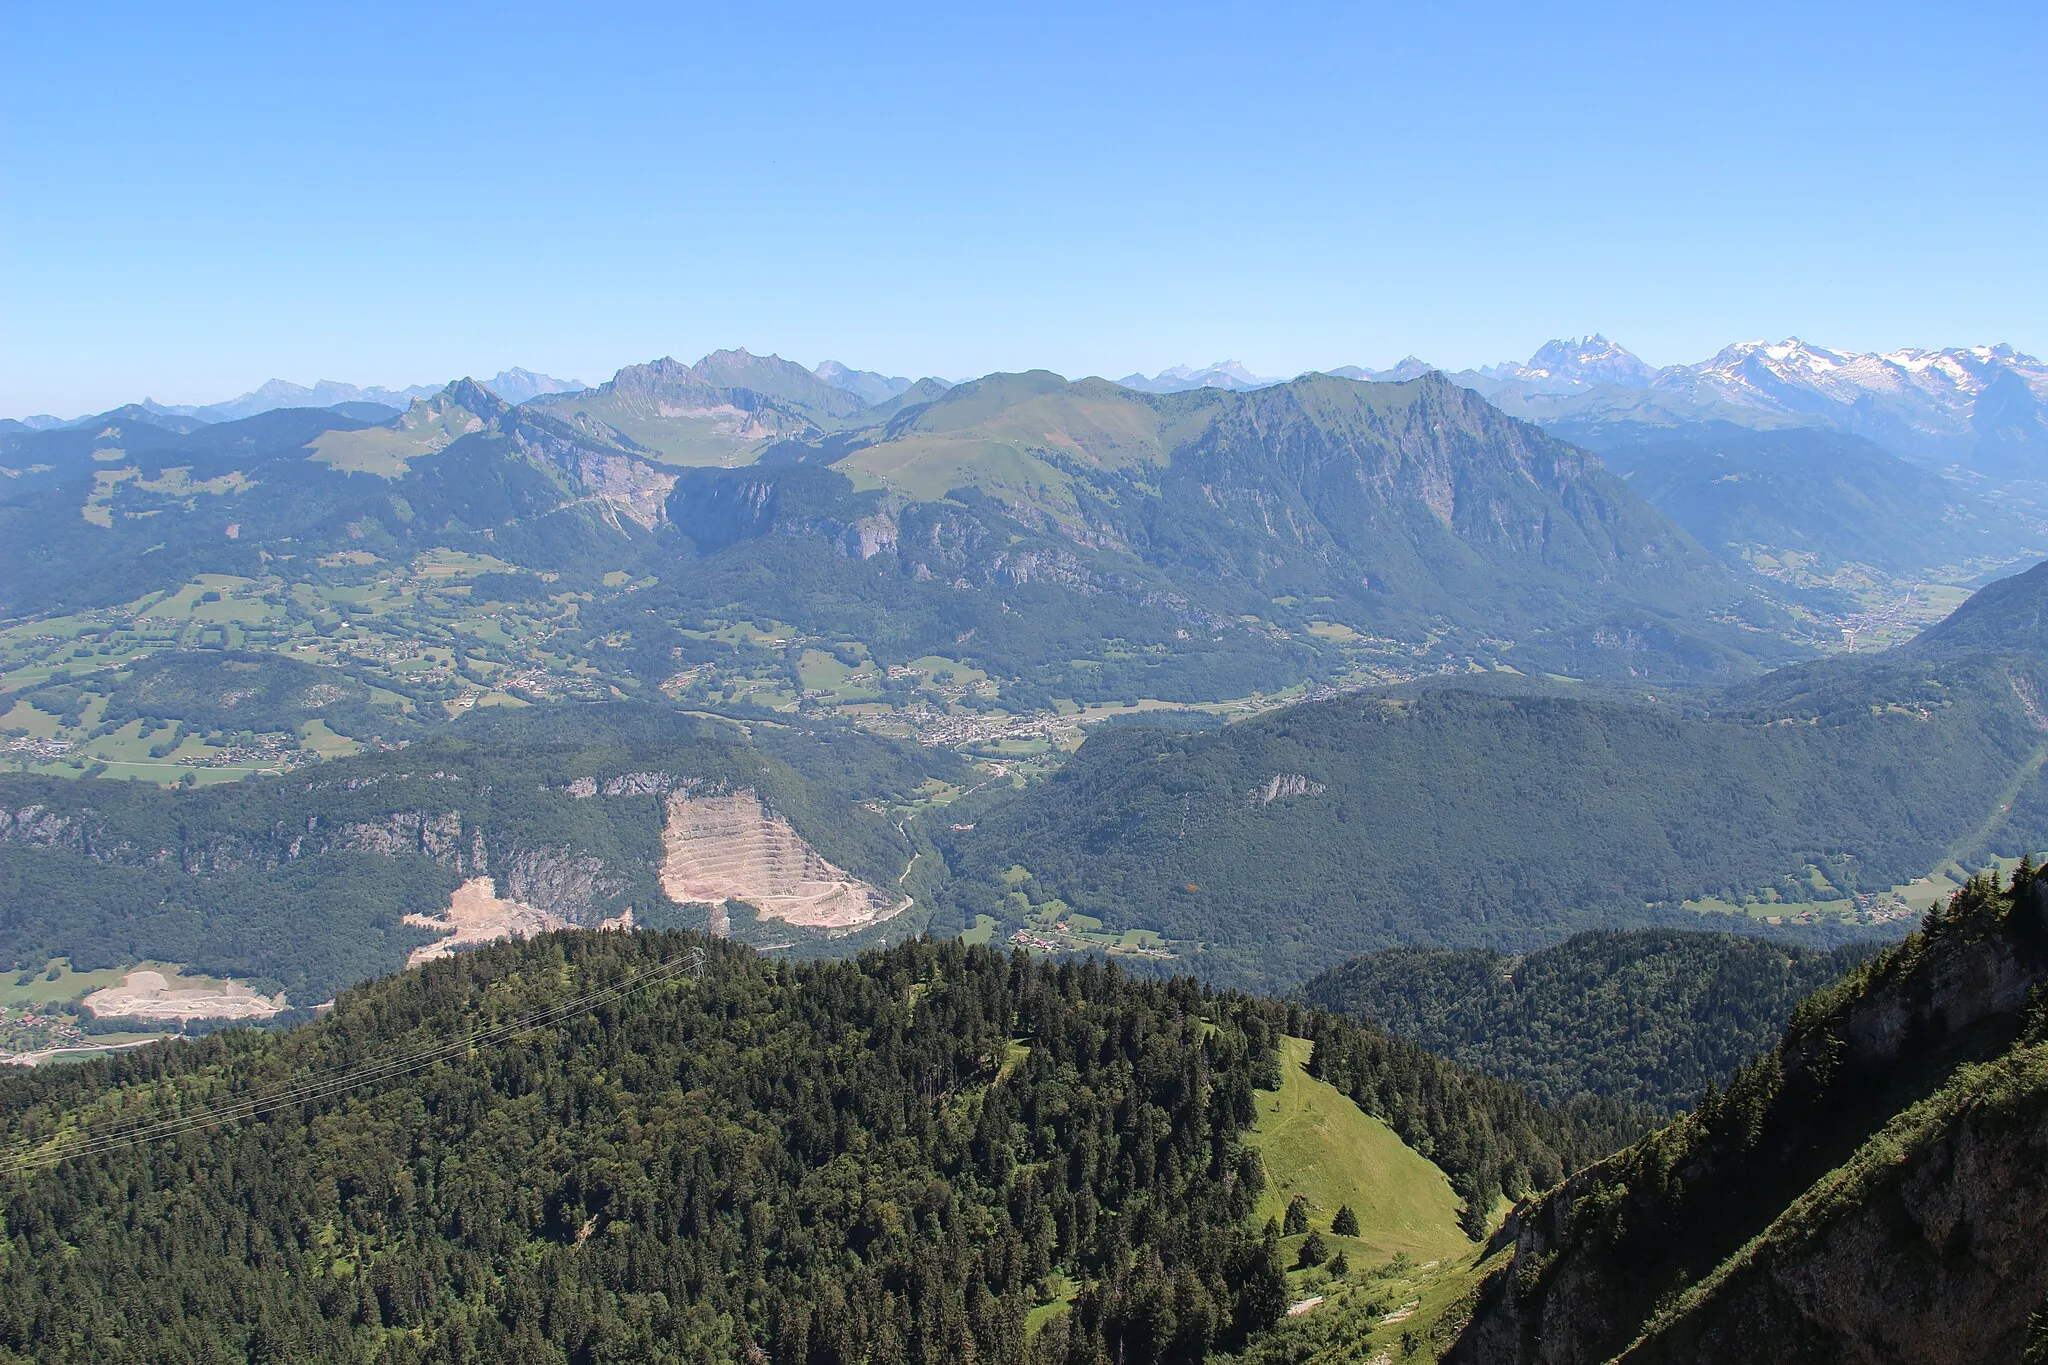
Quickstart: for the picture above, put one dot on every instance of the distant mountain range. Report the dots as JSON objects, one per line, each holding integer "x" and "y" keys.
{"x": 1984, "y": 407}
{"x": 1190, "y": 527}
{"x": 1224, "y": 374}
{"x": 866, "y": 385}
{"x": 515, "y": 385}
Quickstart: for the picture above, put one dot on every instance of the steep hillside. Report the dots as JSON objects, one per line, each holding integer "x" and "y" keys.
{"x": 1276, "y": 847}
{"x": 305, "y": 882}
{"x": 149, "y": 511}
{"x": 1832, "y": 498}
{"x": 1871, "y": 1190}
{"x": 1412, "y": 515}
{"x": 654, "y": 1147}
{"x": 2010, "y": 614}
{"x": 1649, "y": 1017}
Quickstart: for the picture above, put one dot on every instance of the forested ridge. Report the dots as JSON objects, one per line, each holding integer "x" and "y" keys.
{"x": 300, "y": 882}
{"x": 1276, "y": 847}
{"x": 1871, "y": 1188}
{"x": 888, "y": 1158}
{"x": 1649, "y": 1017}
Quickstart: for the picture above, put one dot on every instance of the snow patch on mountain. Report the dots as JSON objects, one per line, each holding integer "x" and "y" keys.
{"x": 1573, "y": 366}
{"x": 1224, "y": 374}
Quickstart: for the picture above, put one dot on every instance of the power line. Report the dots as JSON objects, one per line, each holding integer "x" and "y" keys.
{"x": 393, "y": 1068}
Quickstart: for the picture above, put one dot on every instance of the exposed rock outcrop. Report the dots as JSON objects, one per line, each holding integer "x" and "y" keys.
{"x": 1925, "y": 1248}
{"x": 733, "y": 847}
{"x": 1874, "y": 1190}
{"x": 476, "y": 915}
{"x": 1285, "y": 784}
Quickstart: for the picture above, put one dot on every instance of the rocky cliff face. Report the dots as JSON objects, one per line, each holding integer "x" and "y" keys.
{"x": 1926, "y": 1248}
{"x": 1872, "y": 1190}
{"x": 568, "y": 883}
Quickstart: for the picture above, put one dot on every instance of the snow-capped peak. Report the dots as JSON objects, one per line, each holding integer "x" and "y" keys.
{"x": 1568, "y": 366}
{"x": 1224, "y": 374}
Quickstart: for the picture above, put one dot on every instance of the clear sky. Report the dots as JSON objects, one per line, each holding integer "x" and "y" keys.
{"x": 197, "y": 198}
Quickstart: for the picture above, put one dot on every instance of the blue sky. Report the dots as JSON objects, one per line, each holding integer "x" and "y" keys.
{"x": 199, "y": 198}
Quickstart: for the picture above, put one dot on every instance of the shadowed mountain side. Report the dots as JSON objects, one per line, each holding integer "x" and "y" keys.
{"x": 1811, "y": 492}
{"x": 1648, "y": 1016}
{"x": 1870, "y": 1191}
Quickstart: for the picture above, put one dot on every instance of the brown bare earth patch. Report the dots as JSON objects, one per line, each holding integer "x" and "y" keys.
{"x": 475, "y": 916}
{"x": 732, "y": 847}
{"x": 150, "y": 995}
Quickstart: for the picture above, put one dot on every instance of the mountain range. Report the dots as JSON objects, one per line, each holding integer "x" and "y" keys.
{"x": 817, "y": 661}
{"x": 1412, "y": 514}
{"x": 1978, "y": 406}
{"x": 1981, "y": 406}
{"x": 515, "y": 385}
{"x": 1224, "y": 374}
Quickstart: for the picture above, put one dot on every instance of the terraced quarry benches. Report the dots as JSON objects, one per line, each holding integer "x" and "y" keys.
{"x": 732, "y": 847}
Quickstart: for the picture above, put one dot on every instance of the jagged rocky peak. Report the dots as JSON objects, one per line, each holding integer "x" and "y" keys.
{"x": 1572, "y": 365}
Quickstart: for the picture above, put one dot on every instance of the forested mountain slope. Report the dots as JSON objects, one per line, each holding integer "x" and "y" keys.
{"x": 1874, "y": 1189}
{"x": 2010, "y": 614}
{"x": 1650, "y": 1017}
{"x": 1276, "y": 847}
{"x": 893, "y": 1158}
{"x": 1397, "y": 510}
{"x": 302, "y": 882}
{"x": 1803, "y": 492}
{"x": 1641, "y": 1016}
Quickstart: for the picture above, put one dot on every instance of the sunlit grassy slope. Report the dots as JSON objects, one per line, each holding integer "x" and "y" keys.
{"x": 1315, "y": 1142}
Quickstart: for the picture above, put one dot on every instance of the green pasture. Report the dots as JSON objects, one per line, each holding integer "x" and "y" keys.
{"x": 1316, "y": 1142}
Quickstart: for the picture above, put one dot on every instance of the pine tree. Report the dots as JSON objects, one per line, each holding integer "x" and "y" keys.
{"x": 1345, "y": 1224}
{"x": 1297, "y": 1217}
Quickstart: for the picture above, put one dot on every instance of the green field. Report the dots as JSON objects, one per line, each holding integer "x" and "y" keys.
{"x": 1316, "y": 1142}
{"x": 1410, "y": 1262}
{"x": 37, "y": 987}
